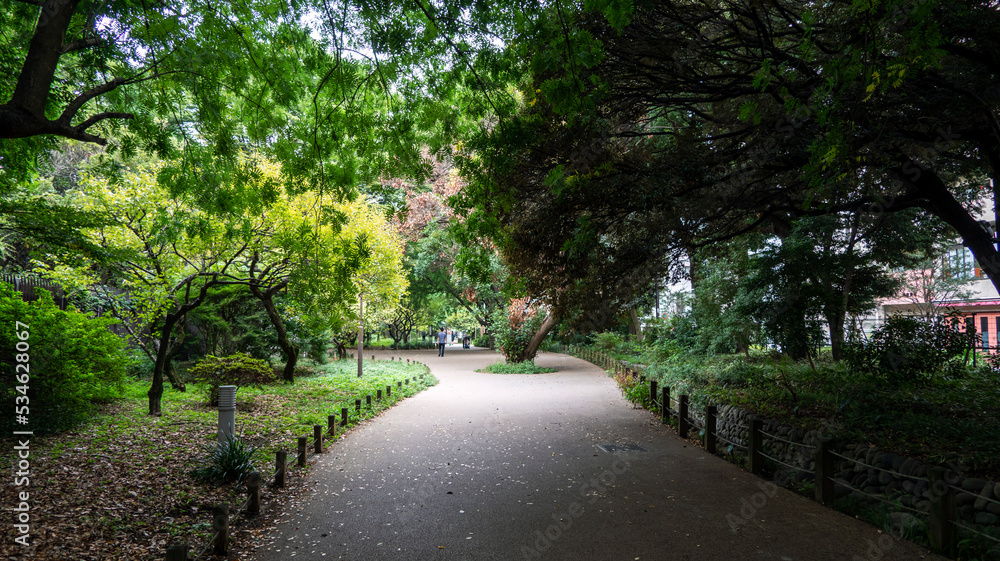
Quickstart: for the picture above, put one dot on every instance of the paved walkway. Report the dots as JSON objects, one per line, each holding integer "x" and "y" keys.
{"x": 502, "y": 467}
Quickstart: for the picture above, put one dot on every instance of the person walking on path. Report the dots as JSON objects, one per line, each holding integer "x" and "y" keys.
{"x": 442, "y": 341}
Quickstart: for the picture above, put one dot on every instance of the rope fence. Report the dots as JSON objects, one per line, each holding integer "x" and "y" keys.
{"x": 796, "y": 468}
{"x": 221, "y": 515}
{"x": 976, "y": 532}
{"x": 942, "y": 517}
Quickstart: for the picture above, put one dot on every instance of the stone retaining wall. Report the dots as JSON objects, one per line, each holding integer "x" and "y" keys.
{"x": 904, "y": 481}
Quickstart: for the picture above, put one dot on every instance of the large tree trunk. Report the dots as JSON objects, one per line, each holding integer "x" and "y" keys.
{"x": 288, "y": 348}
{"x": 941, "y": 202}
{"x": 163, "y": 355}
{"x": 635, "y": 325}
{"x": 531, "y": 350}
{"x": 836, "y": 319}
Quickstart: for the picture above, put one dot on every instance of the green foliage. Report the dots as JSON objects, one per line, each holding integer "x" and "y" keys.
{"x": 526, "y": 367}
{"x": 73, "y": 362}
{"x": 512, "y": 329}
{"x": 234, "y": 370}
{"x": 633, "y": 390}
{"x": 910, "y": 349}
{"x": 608, "y": 341}
{"x": 232, "y": 460}
{"x": 231, "y": 320}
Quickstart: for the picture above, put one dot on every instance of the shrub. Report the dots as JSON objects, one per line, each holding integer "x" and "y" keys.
{"x": 633, "y": 390}
{"x": 608, "y": 341}
{"x": 73, "y": 361}
{"x": 232, "y": 460}
{"x": 234, "y": 370}
{"x": 513, "y": 327}
{"x": 907, "y": 349}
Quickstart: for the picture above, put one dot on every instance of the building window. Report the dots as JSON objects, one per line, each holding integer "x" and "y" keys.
{"x": 985, "y": 323}
{"x": 960, "y": 263}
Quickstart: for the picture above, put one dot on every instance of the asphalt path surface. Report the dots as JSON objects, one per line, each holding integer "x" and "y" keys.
{"x": 506, "y": 467}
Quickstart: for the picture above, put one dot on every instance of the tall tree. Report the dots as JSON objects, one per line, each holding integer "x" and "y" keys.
{"x": 666, "y": 125}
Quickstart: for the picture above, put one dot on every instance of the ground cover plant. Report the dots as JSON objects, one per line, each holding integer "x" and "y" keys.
{"x": 120, "y": 486}
{"x": 526, "y": 367}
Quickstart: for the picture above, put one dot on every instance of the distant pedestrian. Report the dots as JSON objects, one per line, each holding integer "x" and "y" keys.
{"x": 465, "y": 342}
{"x": 442, "y": 341}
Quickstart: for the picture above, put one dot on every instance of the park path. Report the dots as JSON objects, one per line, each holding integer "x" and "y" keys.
{"x": 506, "y": 467}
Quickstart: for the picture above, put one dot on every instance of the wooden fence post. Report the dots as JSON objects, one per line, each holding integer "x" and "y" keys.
{"x": 177, "y": 551}
{"x": 357, "y": 405}
{"x": 331, "y": 421}
{"x": 652, "y": 394}
{"x": 343, "y": 416}
{"x": 710, "y": 424}
{"x": 378, "y": 395}
{"x": 302, "y": 451}
{"x": 388, "y": 391}
{"x": 754, "y": 444}
{"x": 941, "y": 527}
{"x": 825, "y": 470}
{"x": 682, "y": 413}
{"x": 280, "y": 462}
{"x": 253, "y": 492}
{"x": 220, "y": 523}
{"x": 665, "y": 401}
{"x": 318, "y": 438}
{"x": 368, "y": 401}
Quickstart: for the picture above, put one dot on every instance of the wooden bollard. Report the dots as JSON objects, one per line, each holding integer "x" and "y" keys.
{"x": 825, "y": 466}
{"x": 280, "y": 462}
{"x": 378, "y": 395}
{"x": 368, "y": 400}
{"x": 754, "y": 444}
{"x": 388, "y": 391}
{"x": 399, "y": 385}
{"x": 220, "y": 524}
{"x": 253, "y": 493}
{"x": 343, "y": 417}
{"x": 357, "y": 405}
{"x": 710, "y": 418}
{"x": 941, "y": 527}
{"x": 318, "y": 438}
{"x": 302, "y": 451}
{"x": 665, "y": 401}
{"x": 682, "y": 414}
{"x": 177, "y": 551}
{"x": 652, "y": 394}
{"x": 331, "y": 421}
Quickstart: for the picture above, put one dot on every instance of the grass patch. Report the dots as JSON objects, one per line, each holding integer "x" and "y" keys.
{"x": 119, "y": 486}
{"x": 527, "y": 367}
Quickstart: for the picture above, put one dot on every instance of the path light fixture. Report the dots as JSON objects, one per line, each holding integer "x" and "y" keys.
{"x": 227, "y": 413}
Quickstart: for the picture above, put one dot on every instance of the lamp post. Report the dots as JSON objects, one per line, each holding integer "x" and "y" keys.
{"x": 361, "y": 332}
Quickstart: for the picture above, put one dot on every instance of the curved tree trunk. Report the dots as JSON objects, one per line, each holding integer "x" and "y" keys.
{"x": 163, "y": 355}
{"x": 536, "y": 340}
{"x": 288, "y": 348}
